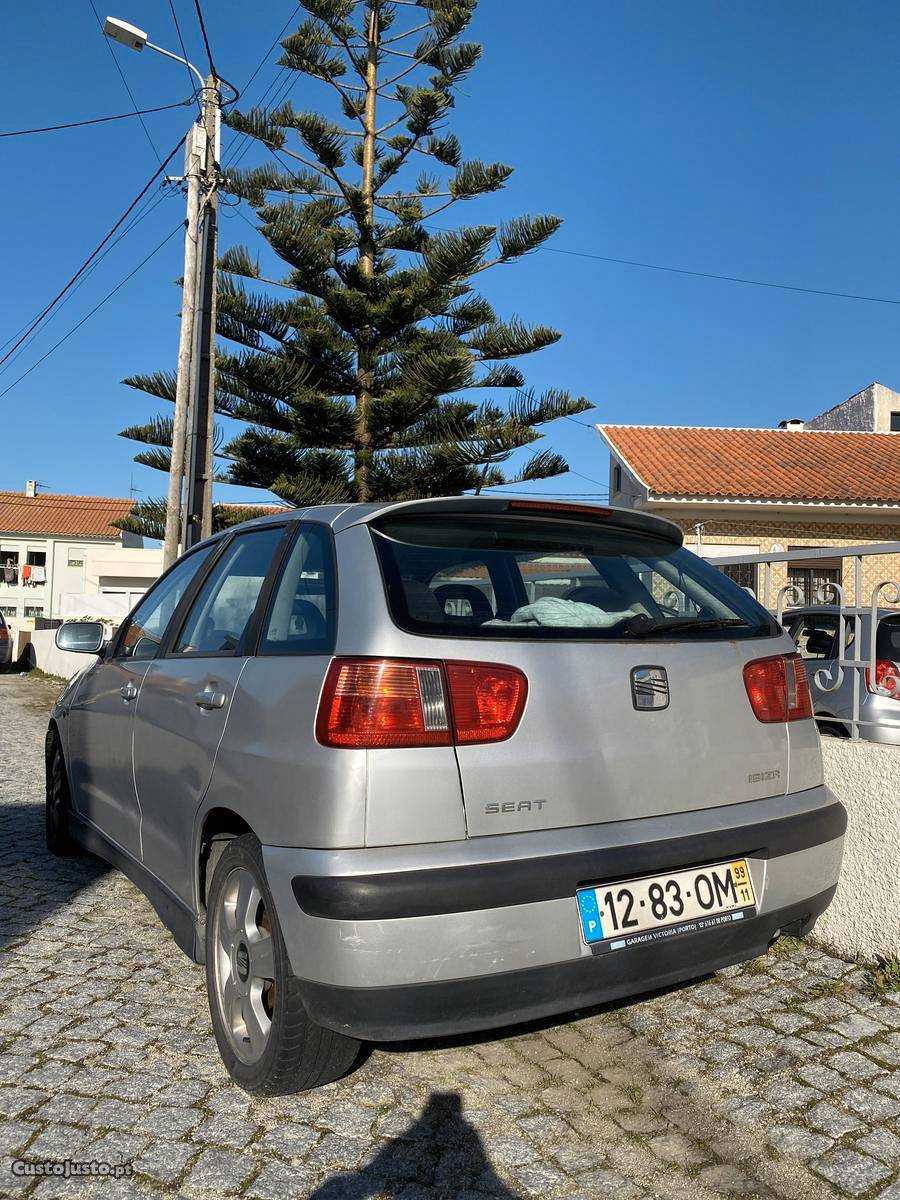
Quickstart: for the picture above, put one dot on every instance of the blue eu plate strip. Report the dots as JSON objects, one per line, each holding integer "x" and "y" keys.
{"x": 591, "y": 925}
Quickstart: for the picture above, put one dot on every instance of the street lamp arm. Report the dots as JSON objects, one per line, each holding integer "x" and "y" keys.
{"x": 177, "y": 58}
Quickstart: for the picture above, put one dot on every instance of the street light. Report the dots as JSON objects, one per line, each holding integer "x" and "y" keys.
{"x": 136, "y": 39}
{"x": 195, "y": 384}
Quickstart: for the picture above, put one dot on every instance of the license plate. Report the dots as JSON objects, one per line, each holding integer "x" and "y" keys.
{"x": 637, "y": 911}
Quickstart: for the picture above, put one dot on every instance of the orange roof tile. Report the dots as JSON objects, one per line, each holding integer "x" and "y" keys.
{"x": 62, "y": 516}
{"x": 767, "y": 464}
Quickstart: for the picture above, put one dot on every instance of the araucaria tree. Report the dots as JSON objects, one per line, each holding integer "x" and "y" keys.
{"x": 358, "y": 371}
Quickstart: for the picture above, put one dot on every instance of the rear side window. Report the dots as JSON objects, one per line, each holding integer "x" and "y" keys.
{"x": 524, "y": 577}
{"x": 302, "y": 613}
{"x": 220, "y": 614}
{"x": 887, "y": 639}
{"x": 815, "y": 635}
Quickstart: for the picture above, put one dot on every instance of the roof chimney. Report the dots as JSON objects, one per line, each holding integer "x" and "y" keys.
{"x": 791, "y": 423}
{"x": 31, "y": 488}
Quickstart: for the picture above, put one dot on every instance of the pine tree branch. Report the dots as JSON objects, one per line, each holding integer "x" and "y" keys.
{"x": 409, "y": 32}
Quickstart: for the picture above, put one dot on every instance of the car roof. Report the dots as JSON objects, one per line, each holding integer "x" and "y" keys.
{"x": 342, "y": 516}
{"x": 833, "y": 609}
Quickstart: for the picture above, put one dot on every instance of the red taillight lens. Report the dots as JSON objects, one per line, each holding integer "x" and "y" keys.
{"x": 887, "y": 679}
{"x": 778, "y": 688}
{"x": 487, "y": 700}
{"x": 390, "y": 703}
{"x": 4, "y": 635}
{"x": 381, "y": 703}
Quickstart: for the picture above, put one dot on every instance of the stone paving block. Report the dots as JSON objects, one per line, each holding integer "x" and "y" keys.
{"x": 854, "y": 1065}
{"x": 219, "y": 1172}
{"x": 881, "y": 1143}
{"x": 785, "y": 1096}
{"x": 832, "y": 1120}
{"x": 798, "y": 1142}
{"x": 278, "y": 1180}
{"x": 852, "y": 1172}
{"x": 872, "y": 1105}
{"x": 165, "y": 1161}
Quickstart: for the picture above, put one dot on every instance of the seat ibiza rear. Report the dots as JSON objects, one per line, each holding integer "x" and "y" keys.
{"x": 405, "y": 770}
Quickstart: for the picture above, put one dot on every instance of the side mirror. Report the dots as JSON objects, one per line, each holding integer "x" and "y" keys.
{"x": 81, "y": 637}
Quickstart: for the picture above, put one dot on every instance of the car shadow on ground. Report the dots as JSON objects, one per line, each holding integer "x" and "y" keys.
{"x": 440, "y": 1135}
{"x": 35, "y": 884}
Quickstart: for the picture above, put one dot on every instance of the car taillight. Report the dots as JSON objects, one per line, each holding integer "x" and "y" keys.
{"x": 379, "y": 703}
{"x": 887, "y": 679}
{"x": 487, "y": 700}
{"x": 778, "y": 688}
{"x": 4, "y": 636}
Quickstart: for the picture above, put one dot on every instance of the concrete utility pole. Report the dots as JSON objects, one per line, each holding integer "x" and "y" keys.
{"x": 192, "y": 455}
{"x": 198, "y": 513}
{"x": 193, "y": 159}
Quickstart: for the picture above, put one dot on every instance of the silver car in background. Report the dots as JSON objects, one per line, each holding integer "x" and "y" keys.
{"x": 422, "y": 768}
{"x": 815, "y": 632}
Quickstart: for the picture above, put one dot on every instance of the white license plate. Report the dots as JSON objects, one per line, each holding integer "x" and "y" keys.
{"x": 636, "y": 911}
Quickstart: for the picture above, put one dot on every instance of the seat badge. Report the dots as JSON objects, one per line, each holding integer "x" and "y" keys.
{"x": 649, "y": 688}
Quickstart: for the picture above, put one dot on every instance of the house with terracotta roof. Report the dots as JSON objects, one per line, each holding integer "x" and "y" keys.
{"x": 830, "y": 481}
{"x": 57, "y": 545}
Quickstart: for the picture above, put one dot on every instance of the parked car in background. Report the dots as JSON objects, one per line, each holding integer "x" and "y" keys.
{"x": 415, "y": 769}
{"x": 5, "y": 643}
{"x": 815, "y": 631}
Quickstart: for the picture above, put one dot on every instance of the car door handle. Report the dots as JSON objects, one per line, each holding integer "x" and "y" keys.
{"x": 128, "y": 691}
{"x": 210, "y": 699}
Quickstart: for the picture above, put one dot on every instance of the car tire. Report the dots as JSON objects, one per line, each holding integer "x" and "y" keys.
{"x": 57, "y": 800}
{"x": 267, "y": 1041}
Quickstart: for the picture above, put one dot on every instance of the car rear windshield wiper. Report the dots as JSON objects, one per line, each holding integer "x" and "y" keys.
{"x": 643, "y": 626}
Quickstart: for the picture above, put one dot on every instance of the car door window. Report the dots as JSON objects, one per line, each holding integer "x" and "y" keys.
{"x": 147, "y": 625}
{"x": 815, "y": 636}
{"x": 302, "y": 615}
{"x": 219, "y": 617}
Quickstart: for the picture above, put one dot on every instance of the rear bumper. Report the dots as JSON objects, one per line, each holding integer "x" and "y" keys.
{"x": 397, "y": 942}
{"x": 390, "y": 1014}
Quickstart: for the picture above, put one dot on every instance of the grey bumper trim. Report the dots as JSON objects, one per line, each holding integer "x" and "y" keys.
{"x": 432, "y": 891}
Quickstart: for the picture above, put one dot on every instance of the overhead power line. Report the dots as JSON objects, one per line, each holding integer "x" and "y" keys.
{"x": 59, "y": 295}
{"x": 209, "y": 53}
{"x": 184, "y": 52}
{"x": 121, "y": 74}
{"x": 109, "y": 295}
{"x": 764, "y": 283}
{"x": 143, "y": 112}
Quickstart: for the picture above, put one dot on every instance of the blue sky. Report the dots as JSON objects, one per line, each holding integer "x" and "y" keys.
{"x": 752, "y": 140}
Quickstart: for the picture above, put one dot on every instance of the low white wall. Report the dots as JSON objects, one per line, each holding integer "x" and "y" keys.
{"x": 56, "y": 662}
{"x": 864, "y": 917}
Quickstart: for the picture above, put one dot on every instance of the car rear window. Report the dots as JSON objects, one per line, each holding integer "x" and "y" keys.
{"x": 527, "y": 577}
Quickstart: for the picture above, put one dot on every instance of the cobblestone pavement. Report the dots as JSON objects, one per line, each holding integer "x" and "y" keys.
{"x": 780, "y": 1079}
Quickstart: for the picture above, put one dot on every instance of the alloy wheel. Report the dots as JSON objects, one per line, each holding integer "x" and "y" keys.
{"x": 244, "y": 964}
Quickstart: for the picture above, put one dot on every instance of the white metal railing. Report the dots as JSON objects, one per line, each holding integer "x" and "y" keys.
{"x": 791, "y": 595}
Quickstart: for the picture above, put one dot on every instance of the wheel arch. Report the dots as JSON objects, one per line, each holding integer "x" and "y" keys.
{"x": 218, "y": 827}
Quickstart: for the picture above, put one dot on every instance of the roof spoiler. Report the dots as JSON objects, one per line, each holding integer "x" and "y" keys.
{"x": 621, "y": 518}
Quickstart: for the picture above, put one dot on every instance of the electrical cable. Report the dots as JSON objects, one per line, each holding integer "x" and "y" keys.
{"x": 96, "y": 120}
{"x": 49, "y": 307}
{"x": 132, "y": 224}
{"x": 209, "y": 53}
{"x": 88, "y": 315}
{"x": 125, "y": 81}
{"x": 783, "y": 287}
{"x": 184, "y": 53}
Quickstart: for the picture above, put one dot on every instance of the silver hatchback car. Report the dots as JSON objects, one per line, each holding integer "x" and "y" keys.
{"x": 422, "y": 768}
{"x": 815, "y": 632}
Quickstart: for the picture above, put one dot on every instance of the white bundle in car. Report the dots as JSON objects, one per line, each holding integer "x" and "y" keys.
{"x": 553, "y": 610}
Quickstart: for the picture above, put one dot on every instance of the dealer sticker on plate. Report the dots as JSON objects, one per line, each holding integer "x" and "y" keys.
{"x": 637, "y": 911}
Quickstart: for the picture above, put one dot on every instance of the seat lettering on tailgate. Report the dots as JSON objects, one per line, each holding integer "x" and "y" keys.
{"x": 512, "y": 806}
